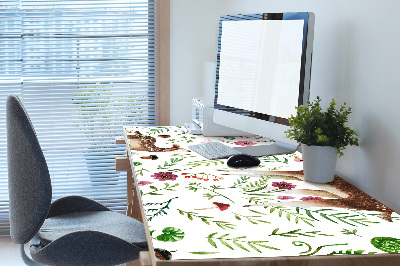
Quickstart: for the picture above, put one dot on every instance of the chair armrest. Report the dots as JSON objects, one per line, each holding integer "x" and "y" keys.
{"x": 72, "y": 204}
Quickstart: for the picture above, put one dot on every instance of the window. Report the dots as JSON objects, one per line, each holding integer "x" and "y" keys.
{"x": 82, "y": 69}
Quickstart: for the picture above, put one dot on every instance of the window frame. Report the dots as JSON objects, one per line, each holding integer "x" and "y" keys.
{"x": 163, "y": 36}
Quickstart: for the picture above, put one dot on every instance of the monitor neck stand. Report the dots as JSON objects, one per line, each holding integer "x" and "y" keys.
{"x": 276, "y": 148}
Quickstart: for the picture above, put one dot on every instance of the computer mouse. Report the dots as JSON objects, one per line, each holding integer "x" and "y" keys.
{"x": 240, "y": 160}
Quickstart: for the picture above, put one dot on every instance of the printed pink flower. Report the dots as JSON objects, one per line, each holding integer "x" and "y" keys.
{"x": 285, "y": 197}
{"x": 283, "y": 185}
{"x": 298, "y": 160}
{"x": 143, "y": 183}
{"x": 206, "y": 141}
{"x": 311, "y": 198}
{"x": 164, "y": 176}
{"x": 245, "y": 143}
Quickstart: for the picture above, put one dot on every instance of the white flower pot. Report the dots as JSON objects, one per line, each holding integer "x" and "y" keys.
{"x": 319, "y": 163}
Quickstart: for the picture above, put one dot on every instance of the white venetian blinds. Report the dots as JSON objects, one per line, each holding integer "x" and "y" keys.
{"x": 82, "y": 69}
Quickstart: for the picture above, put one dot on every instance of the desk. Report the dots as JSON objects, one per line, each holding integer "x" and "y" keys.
{"x": 202, "y": 212}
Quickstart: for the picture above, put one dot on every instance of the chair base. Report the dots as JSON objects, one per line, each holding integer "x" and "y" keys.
{"x": 26, "y": 259}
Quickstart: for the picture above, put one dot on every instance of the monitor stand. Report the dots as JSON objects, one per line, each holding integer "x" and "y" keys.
{"x": 276, "y": 148}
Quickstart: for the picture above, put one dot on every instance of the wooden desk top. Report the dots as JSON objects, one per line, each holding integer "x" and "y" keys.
{"x": 201, "y": 209}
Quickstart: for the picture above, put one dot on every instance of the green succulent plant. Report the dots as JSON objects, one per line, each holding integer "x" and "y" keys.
{"x": 312, "y": 126}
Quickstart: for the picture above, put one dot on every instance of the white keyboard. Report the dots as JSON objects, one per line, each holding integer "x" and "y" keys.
{"x": 214, "y": 150}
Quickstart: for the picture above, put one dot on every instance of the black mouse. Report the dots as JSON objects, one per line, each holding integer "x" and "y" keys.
{"x": 240, "y": 160}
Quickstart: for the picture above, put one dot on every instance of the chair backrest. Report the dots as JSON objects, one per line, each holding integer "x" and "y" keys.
{"x": 29, "y": 183}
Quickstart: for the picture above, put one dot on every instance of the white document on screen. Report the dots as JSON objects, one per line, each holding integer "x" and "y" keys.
{"x": 260, "y": 63}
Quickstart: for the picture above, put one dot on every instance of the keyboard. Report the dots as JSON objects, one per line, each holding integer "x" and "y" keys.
{"x": 214, "y": 150}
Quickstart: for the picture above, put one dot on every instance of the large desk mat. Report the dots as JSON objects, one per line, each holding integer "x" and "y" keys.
{"x": 200, "y": 209}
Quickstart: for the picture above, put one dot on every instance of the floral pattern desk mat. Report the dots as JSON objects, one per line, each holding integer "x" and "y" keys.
{"x": 198, "y": 208}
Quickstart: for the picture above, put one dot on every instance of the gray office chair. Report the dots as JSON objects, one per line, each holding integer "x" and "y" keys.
{"x": 70, "y": 231}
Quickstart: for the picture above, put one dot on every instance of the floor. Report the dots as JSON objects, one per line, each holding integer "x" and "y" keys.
{"x": 9, "y": 253}
{"x": 10, "y": 256}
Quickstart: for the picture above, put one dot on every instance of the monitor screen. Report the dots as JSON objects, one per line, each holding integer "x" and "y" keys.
{"x": 263, "y": 71}
{"x": 260, "y": 63}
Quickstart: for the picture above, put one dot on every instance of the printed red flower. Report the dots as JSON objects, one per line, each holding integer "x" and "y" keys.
{"x": 143, "y": 183}
{"x": 285, "y": 197}
{"x": 221, "y": 206}
{"x": 164, "y": 176}
{"x": 283, "y": 185}
{"x": 311, "y": 198}
{"x": 245, "y": 143}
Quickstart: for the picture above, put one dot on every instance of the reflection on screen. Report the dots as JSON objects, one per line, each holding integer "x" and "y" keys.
{"x": 260, "y": 63}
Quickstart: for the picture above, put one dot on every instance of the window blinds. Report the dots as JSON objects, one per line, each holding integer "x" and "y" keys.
{"x": 82, "y": 69}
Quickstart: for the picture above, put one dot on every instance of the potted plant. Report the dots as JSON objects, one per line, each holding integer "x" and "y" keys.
{"x": 323, "y": 135}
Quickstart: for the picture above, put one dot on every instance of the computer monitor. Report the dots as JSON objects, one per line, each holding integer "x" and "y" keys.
{"x": 263, "y": 73}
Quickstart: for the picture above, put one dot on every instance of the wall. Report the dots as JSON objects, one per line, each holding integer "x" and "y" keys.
{"x": 355, "y": 60}
{"x": 194, "y": 41}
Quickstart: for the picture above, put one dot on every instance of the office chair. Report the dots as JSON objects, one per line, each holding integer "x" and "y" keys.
{"x": 70, "y": 231}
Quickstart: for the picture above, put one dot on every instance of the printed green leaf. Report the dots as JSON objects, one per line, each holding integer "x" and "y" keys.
{"x": 225, "y": 244}
{"x": 203, "y": 252}
{"x": 235, "y": 241}
{"x": 197, "y": 186}
{"x": 205, "y": 221}
{"x": 254, "y": 219}
{"x": 326, "y": 217}
{"x": 209, "y": 238}
{"x": 275, "y": 230}
{"x": 290, "y": 214}
{"x": 238, "y": 242}
{"x": 158, "y": 209}
{"x": 387, "y": 244}
{"x": 153, "y": 194}
{"x": 259, "y": 243}
{"x": 304, "y": 253}
{"x": 257, "y": 189}
{"x": 221, "y": 224}
{"x": 348, "y": 232}
{"x": 352, "y": 217}
{"x": 309, "y": 214}
{"x": 224, "y": 225}
{"x": 359, "y": 251}
{"x": 257, "y": 212}
{"x": 297, "y": 232}
{"x": 254, "y": 247}
{"x": 350, "y": 252}
{"x": 171, "y": 234}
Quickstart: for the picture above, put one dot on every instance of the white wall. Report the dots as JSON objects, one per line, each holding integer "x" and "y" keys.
{"x": 355, "y": 60}
{"x": 194, "y": 41}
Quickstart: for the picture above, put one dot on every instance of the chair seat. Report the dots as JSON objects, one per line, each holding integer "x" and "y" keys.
{"x": 107, "y": 222}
